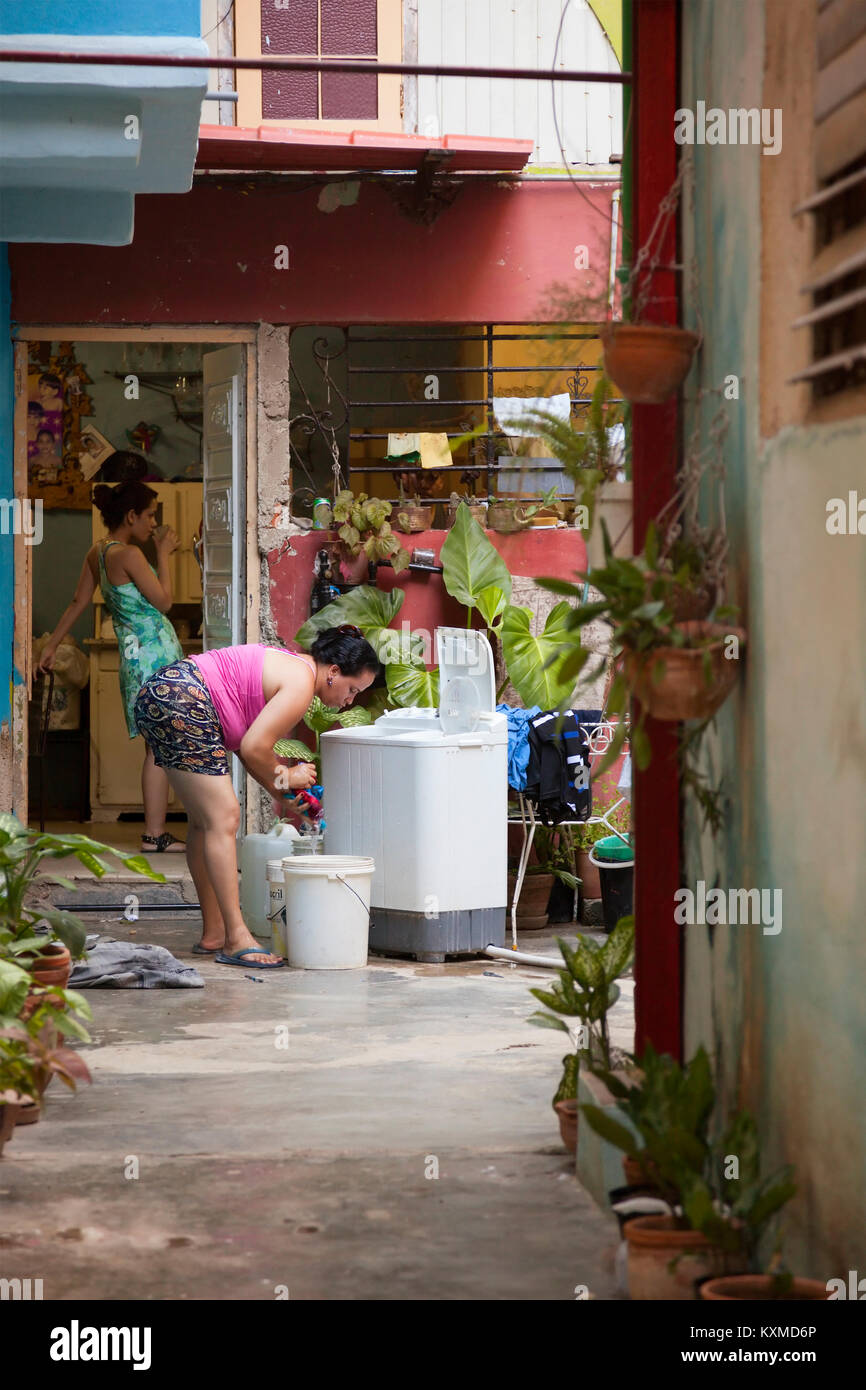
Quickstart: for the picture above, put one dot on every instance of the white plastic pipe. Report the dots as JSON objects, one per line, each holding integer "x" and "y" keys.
{"x": 505, "y": 953}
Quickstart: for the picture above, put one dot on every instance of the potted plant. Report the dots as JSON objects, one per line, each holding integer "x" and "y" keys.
{"x": 479, "y": 511}
{"x": 586, "y": 990}
{"x": 554, "y": 850}
{"x": 678, "y": 670}
{"x": 365, "y": 532}
{"x": 26, "y": 1065}
{"x": 414, "y": 515}
{"x": 41, "y": 1015}
{"x": 23, "y": 851}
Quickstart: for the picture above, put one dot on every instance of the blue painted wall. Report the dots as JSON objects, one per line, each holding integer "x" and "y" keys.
{"x": 141, "y": 17}
{"x": 7, "y": 577}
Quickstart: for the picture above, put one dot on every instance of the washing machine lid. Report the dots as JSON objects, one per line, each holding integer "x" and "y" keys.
{"x": 465, "y": 655}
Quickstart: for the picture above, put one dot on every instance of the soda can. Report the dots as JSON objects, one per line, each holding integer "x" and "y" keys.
{"x": 322, "y": 515}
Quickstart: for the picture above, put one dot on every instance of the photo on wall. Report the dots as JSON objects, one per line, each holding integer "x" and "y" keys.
{"x": 56, "y": 403}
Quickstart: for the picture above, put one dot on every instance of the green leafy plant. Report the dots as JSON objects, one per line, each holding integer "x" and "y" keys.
{"x": 476, "y": 575}
{"x": 586, "y": 990}
{"x": 587, "y": 835}
{"x": 401, "y": 653}
{"x": 364, "y": 525}
{"x": 554, "y": 849}
{"x": 586, "y": 455}
{"x": 638, "y": 602}
{"x": 713, "y": 1186}
{"x": 22, "y": 853}
{"x": 319, "y": 718}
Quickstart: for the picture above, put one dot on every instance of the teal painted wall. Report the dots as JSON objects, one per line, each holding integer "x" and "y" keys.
{"x": 7, "y": 566}
{"x": 182, "y": 17}
{"x": 783, "y": 1015}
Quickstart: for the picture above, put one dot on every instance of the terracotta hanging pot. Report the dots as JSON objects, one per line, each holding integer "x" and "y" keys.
{"x": 648, "y": 362}
{"x": 567, "y": 1112}
{"x": 673, "y": 683}
{"x": 759, "y": 1287}
{"x": 53, "y": 965}
{"x": 29, "y": 1112}
{"x": 653, "y": 1243}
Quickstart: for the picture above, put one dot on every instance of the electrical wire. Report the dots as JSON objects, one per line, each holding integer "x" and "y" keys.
{"x": 220, "y": 22}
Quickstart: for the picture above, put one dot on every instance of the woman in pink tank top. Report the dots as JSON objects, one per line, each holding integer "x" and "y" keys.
{"x": 240, "y": 700}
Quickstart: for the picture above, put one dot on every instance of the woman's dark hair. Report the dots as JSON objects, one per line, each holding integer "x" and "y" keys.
{"x": 123, "y": 466}
{"x": 51, "y": 379}
{"x": 115, "y": 502}
{"x": 347, "y": 648}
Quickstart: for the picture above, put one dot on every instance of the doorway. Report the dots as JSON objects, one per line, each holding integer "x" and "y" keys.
{"x": 173, "y": 405}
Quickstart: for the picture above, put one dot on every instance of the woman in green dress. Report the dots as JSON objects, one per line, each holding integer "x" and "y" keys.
{"x": 138, "y": 598}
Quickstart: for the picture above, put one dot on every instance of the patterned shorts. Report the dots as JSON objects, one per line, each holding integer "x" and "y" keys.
{"x": 176, "y": 715}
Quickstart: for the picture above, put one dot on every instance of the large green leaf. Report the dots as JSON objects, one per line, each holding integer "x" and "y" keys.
{"x": 413, "y": 685}
{"x": 368, "y": 608}
{"x": 67, "y": 928}
{"x": 491, "y": 604}
{"x": 470, "y": 562}
{"x": 320, "y": 717}
{"x": 533, "y": 662}
{"x": 293, "y": 748}
{"x": 14, "y": 985}
{"x": 610, "y": 1129}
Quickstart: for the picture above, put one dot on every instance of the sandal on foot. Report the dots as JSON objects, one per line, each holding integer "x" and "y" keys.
{"x": 162, "y": 844}
{"x": 236, "y": 959}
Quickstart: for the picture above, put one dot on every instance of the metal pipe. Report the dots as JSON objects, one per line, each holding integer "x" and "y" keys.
{"x": 504, "y": 953}
{"x": 295, "y": 64}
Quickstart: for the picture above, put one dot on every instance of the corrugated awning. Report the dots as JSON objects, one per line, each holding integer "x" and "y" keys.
{"x": 276, "y": 149}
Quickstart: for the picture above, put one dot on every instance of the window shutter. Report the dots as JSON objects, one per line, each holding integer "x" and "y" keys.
{"x": 837, "y": 277}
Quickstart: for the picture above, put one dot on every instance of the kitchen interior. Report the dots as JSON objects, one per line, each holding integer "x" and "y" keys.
{"x": 139, "y": 396}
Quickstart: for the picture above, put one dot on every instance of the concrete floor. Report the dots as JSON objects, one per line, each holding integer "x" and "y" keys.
{"x": 304, "y": 1169}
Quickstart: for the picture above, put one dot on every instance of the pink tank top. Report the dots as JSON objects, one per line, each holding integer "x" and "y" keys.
{"x": 233, "y": 675}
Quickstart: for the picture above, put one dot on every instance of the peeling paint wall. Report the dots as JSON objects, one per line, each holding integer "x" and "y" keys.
{"x": 783, "y": 1015}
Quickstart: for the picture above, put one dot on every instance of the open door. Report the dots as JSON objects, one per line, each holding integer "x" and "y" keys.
{"x": 223, "y": 540}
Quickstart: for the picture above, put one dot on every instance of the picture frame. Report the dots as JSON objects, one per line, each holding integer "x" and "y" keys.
{"x": 56, "y": 403}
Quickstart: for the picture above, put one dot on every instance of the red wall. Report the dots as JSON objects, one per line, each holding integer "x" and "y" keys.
{"x": 207, "y": 256}
{"x": 426, "y": 605}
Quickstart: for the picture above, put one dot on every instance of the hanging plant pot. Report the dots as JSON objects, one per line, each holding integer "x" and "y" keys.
{"x": 674, "y": 683}
{"x": 688, "y": 605}
{"x": 648, "y": 362}
{"x": 759, "y": 1287}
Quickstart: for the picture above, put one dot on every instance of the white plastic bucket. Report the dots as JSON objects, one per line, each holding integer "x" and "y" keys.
{"x": 277, "y": 908}
{"x": 327, "y": 910}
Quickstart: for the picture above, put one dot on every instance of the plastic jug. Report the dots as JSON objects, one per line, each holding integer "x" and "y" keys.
{"x": 255, "y": 890}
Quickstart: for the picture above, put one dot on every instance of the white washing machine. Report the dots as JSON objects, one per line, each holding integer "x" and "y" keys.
{"x": 424, "y": 794}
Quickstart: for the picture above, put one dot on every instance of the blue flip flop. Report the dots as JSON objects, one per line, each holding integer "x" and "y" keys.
{"x": 235, "y": 959}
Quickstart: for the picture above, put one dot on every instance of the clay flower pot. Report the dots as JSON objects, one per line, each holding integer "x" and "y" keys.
{"x": 52, "y": 966}
{"x": 567, "y": 1112}
{"x": 10, "y": 1104}
{"x": 759, "y": 1287}
{"x": 534, "y": 897}
{"x": 587, "y": 872}
{"x": 29, "y": 1112}
{"x": 412, "y": 517}
{"x": 507, "y": 517}
{"x": 671, "y": 682}
{"x": 647, "y": 361}
{"x": 653, "y": 1242}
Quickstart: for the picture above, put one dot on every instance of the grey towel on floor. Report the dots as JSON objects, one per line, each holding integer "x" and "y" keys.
{"x": 114, "y": 964}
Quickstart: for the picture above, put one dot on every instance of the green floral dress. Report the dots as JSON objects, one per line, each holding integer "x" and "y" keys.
{"x": 146, "y": 639}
